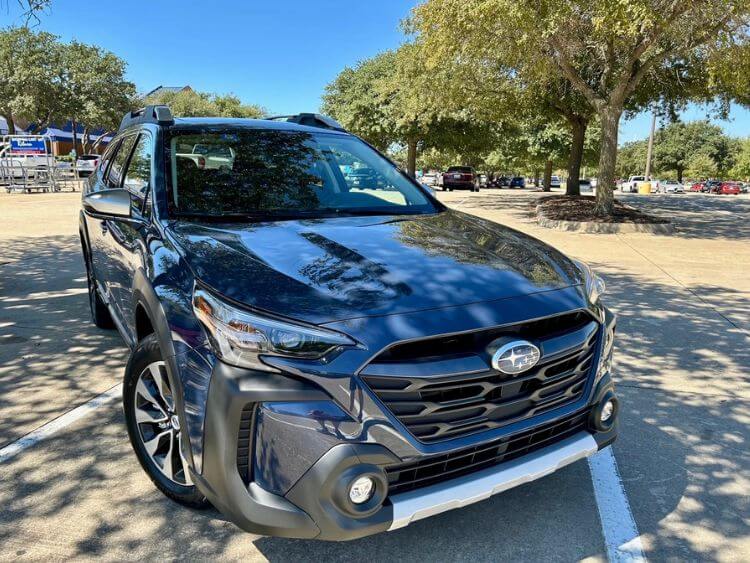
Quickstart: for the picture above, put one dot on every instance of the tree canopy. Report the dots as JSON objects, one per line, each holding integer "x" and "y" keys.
{"x": 695, "y": 149}
{"x": 619, "y": 56}
{"x": 189, "y": 103}
{"x": 388, "y": 100}
{"x": 45, "y": 81}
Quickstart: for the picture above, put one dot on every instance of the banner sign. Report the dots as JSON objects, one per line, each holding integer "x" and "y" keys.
{"x": 27, "y": 146}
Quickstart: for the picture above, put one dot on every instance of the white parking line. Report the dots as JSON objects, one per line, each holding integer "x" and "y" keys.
{"x": 59, "y": 423}
{"x": 620, "y": 532}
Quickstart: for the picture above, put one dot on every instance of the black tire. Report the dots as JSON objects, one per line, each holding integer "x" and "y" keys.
{"x": 145, "y": 354}
{"x": 99, "y": 313}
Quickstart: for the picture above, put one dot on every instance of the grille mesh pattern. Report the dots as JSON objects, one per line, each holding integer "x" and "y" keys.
{"x": 440, "y": 407}
{"x": 430, "y": 470}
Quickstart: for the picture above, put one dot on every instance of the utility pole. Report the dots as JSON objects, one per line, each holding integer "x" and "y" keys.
{"x": 650, "y": 148}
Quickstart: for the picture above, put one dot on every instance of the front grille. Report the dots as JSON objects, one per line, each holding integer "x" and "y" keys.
{"x": 445, "y": 388}
{"x": 430, "y": 470}
{"x": 245, "y": 441}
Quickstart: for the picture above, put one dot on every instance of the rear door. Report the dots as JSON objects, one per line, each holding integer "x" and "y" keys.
{"x": 128, "y": 235}
{"x": 97, "y": 229}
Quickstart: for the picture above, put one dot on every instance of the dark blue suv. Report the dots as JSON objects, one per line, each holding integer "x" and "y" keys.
{"x": 324, "y": 353}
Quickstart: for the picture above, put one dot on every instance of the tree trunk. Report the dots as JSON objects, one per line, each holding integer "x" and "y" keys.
{"x": 536, "y": 177}
{"x": 605, "y": 187}
{"x": 547, "y": 176}
{"x": 86, "y": 140}
{"x": 578, "y": 126}
{"x": 74, "y": 130}
{"x": 411, "y": 158}
{"x": 11, "y": 125}
{"x": 679, "y": 175}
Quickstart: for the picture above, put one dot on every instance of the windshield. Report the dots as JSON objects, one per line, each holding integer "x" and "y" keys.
{"x": 260, "y": 173}
{"x": 462, "y": 169}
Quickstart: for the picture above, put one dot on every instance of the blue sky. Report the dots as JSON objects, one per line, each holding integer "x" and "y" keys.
{"x": 278, "y": 54}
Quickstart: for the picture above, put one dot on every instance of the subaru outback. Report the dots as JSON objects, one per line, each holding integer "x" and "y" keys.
{"x": 319, "y": 358}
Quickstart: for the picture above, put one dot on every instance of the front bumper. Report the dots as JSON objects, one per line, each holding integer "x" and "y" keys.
{"x": 316, "y": 505}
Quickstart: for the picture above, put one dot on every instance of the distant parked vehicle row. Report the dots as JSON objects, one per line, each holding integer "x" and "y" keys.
{"x": 719, "y": 187}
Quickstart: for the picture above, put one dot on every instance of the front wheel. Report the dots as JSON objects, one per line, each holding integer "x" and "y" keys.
{"x": 154, "y": 427}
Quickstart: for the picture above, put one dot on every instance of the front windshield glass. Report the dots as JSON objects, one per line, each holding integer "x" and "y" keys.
{"x": 262, "y": 173}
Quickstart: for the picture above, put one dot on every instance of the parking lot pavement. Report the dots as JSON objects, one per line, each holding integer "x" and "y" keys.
{"x": 682, "y": 364}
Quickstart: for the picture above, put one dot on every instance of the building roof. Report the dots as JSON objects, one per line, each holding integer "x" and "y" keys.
{"x": 65, "y": 133}
{"x": 166, "y": 89}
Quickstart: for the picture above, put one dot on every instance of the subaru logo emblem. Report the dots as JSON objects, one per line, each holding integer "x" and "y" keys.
{"x": 515, "y": 357}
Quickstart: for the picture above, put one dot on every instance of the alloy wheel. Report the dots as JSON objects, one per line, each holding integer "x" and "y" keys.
{"x": 158, "y": 424}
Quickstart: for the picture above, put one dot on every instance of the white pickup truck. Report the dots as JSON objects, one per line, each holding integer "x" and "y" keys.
{"x": 211, "y": 157}
{"x": 633, "y": 182}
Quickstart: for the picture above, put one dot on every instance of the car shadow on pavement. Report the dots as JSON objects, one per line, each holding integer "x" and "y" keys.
{"x": 696, "y": 216}
{"x": 681, "y": 370}
{"x": 700, "y": 216}
{"x": 51, "y": 356}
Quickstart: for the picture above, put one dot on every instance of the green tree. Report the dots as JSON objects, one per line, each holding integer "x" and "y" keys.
{"x": 702, "y": 166}
{"x": 741, "y": 167}
{"x": 389, "y": 100}
{"x": 631, "y": 159}
{"x": 190, "y": 103}
{"x": 678, "y": 143}
{"x": 617, "y": 55}
{"x": 93, "y": 89}
{"x": 29, "y": 69}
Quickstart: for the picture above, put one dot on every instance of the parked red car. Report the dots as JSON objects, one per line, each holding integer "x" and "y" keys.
{"x": 727, "y": 188}
{"x": 460, "y": 178}
{"x": 697, "y": 187}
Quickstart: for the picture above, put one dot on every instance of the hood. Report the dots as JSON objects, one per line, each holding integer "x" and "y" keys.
{"x": 323, "y": 270}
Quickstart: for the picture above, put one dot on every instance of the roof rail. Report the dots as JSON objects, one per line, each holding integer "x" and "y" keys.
{"x": 161, "y": 115}
{"x": 311, "y": 120}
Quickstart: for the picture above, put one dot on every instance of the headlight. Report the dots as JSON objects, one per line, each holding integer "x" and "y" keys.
{"x": 240, "y": 337}
{"x": 595, "y": 285}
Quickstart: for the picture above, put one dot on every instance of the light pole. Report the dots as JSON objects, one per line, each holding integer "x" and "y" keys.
{"x": 650, "y": 148}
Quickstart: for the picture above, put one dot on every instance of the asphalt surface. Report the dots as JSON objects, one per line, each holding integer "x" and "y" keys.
{"x": 682, "y": 369}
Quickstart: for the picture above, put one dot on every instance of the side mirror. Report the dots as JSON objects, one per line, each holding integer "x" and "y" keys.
{"x": 112, "y": 203}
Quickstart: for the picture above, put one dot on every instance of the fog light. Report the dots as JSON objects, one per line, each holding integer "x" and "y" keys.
{"x": 361, "y": 490}
{"x": 607, "y": 410}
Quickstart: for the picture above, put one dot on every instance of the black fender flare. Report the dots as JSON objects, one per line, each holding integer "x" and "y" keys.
{"x": 145, "y": 296}
{"x": 83, "y": 233}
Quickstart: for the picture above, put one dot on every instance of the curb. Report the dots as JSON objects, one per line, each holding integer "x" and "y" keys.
{"x": 604, "y": 228}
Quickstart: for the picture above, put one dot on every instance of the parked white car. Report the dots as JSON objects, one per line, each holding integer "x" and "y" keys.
{"x": 86, "y": 164}
{"x": 671, "y": 187}
{"x": 585, "y": 185}
{"x": 431, "y": 179}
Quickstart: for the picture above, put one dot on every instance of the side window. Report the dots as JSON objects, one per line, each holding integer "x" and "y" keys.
{"x": 138, "y": 175}
{"x": 114, "y": 177}
{"x": 104, "y": 162}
